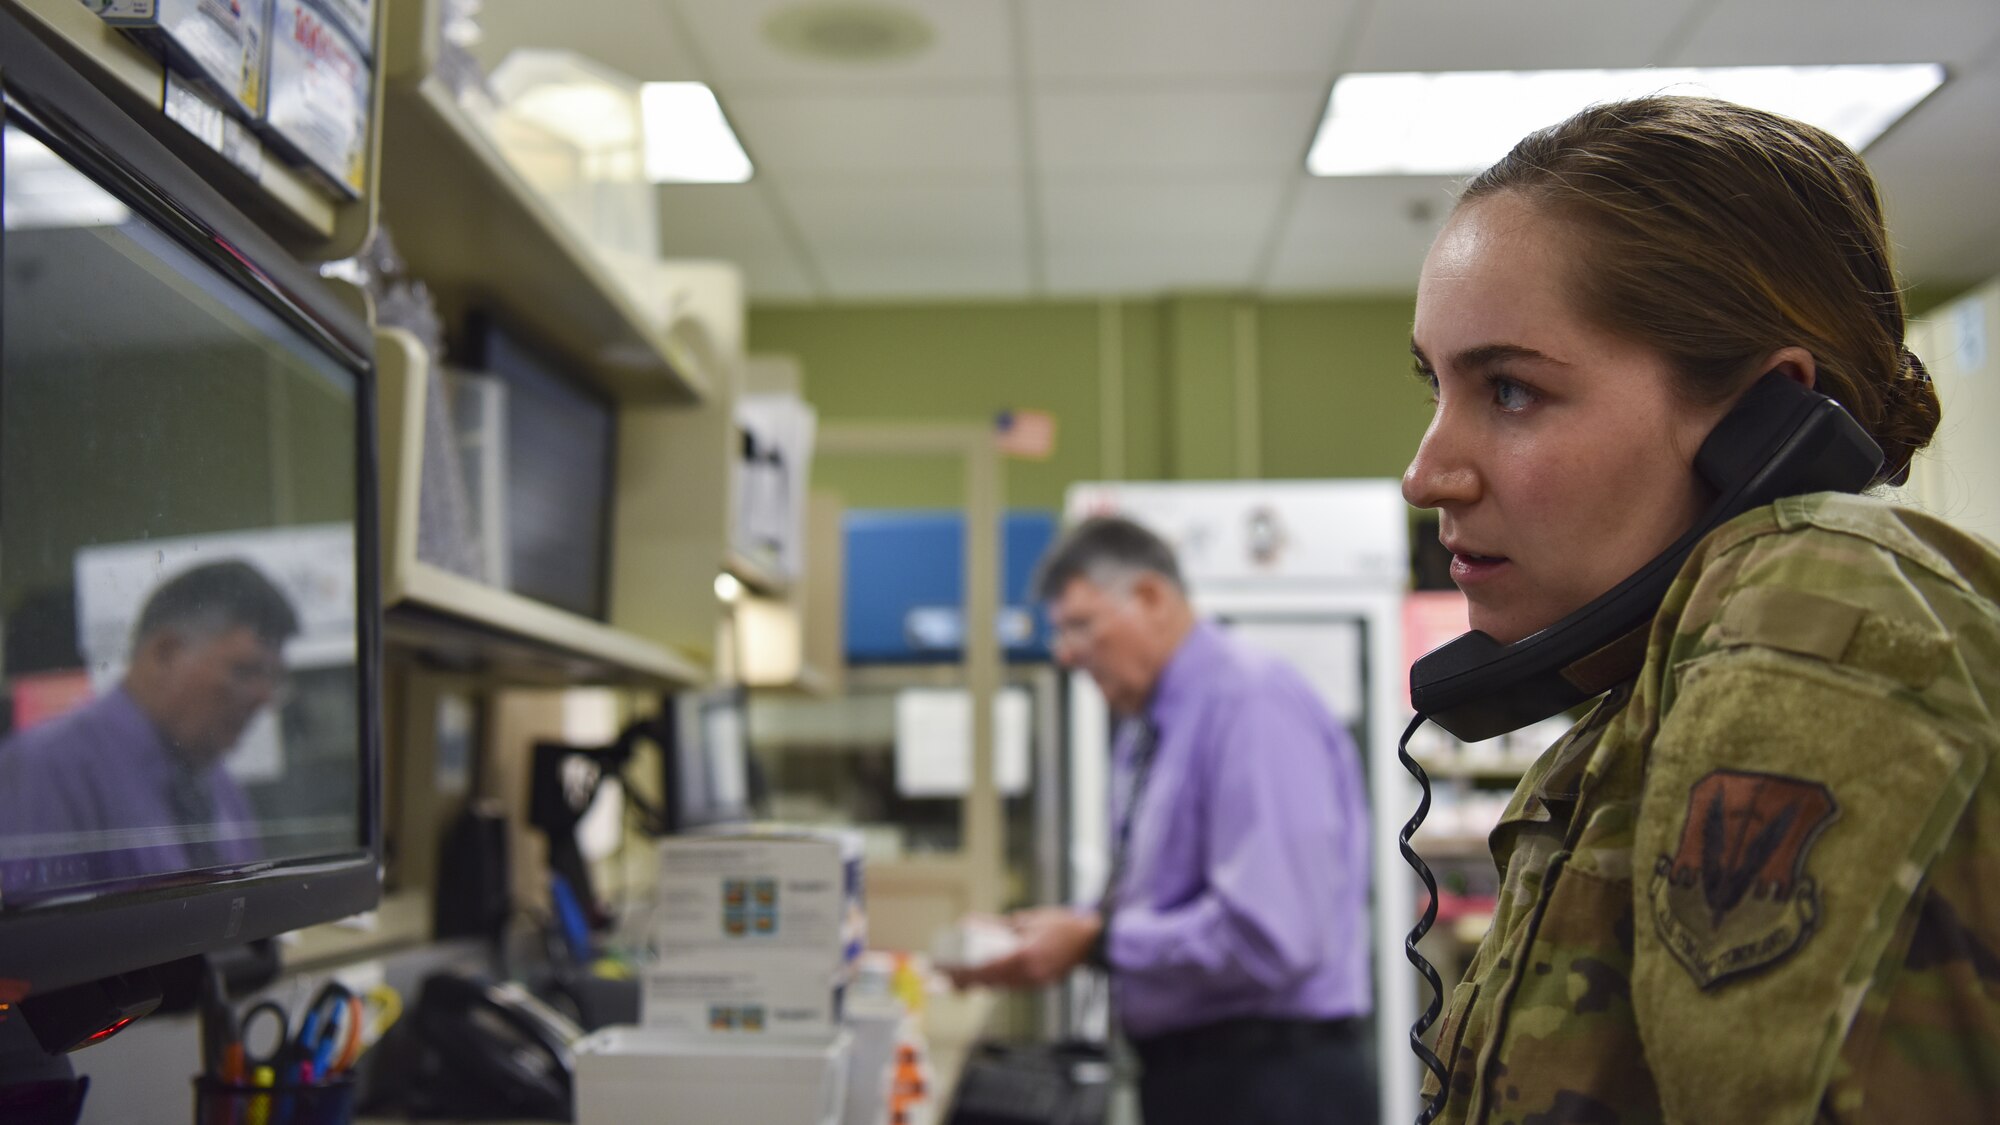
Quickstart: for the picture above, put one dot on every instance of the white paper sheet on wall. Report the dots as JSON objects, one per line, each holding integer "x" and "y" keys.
{"x": 1327, "y": 651}
{"x": 934, "y": 741}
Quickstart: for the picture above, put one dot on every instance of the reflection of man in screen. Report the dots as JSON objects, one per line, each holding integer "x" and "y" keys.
{"x": 132, "y": 783}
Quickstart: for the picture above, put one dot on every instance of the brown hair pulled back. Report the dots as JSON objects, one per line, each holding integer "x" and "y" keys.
{"x": 1718, "y": 234}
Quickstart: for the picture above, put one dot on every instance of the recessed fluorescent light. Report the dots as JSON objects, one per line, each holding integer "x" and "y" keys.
{"x": 688, "y": 141}
{"x": 1454, "y": 123}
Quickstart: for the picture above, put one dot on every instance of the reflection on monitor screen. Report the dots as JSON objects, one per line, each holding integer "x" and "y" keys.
{"x": 178, "y": 510}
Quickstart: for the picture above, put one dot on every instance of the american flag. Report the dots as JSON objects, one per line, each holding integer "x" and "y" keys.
{"x": 1028, "y": 434}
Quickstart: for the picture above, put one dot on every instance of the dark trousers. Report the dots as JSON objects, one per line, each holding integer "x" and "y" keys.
{"x": 1259, "y": 1072}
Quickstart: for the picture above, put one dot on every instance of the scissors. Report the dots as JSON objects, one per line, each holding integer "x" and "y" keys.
{"x": 330, "y": 1035}
{"x": 252, "y": 1054}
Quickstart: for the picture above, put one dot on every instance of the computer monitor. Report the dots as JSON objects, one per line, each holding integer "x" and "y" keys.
{"x": 191, "y": 748}
{"x": 708, "y": 767}
{"x": 561, "y": 454}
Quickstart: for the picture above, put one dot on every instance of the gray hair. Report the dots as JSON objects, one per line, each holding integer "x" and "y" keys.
{"x": 1107, "y": 551}
{"x": 208, "y": 600}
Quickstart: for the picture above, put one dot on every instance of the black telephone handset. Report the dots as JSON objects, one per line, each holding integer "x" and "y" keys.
{"x": 1780, "y": 439}
{"x": 474, "y": 1048}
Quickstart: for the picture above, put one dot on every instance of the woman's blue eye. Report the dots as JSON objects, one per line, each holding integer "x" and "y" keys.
{"x": 1509, "y": 395}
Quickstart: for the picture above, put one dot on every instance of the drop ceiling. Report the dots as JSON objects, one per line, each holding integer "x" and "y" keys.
{"x": 1086, "y": 148}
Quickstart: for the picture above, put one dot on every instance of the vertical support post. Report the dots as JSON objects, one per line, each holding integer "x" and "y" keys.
{"x": 980, "y": 822}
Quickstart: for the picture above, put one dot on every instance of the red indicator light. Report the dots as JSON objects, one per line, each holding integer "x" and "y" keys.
{"x": 108, "y": 1032}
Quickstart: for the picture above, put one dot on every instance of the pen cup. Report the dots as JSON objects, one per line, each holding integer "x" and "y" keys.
{"x": 230, "y": 1103}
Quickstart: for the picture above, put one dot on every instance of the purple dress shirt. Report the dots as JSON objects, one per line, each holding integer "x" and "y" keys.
{"x": 89, "y": 798}
{"x": 1245, "y": 892}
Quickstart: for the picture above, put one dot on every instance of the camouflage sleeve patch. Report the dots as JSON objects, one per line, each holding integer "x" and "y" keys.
{"x": 1789, "y": 813}
{"x": 1735, "y": 896}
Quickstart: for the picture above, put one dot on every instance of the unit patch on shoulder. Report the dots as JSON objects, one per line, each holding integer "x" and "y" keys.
{"x": 1735, "y": 897}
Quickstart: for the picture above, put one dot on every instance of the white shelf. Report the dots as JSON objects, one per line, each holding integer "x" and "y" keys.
{"x": 481, "y": 238}
{"x": 401, "y": 921}
{"x": 755, "y": 577}
{"x": 468, "y": 624}
{"x": 498, "y": 632}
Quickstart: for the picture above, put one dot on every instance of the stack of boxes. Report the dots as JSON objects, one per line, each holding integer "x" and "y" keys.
{"x": 300, "y": 71}
{"x": 754, "y": 940}
{"x": 755, "y": 934}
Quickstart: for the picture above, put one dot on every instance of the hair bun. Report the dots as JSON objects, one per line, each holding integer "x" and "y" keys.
{"x": 1913, "y": 368}
{"x": 1910, "y": 415}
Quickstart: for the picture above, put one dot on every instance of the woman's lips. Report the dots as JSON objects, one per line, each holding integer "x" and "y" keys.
{"x": 1471, "y": 569}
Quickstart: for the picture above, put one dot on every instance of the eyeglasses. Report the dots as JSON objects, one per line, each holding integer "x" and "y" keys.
{"x": 1073, "y": 633}
{"x": 261, "y": 677}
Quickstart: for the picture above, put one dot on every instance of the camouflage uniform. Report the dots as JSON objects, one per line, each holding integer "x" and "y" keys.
{"x": 1761, "y": 882}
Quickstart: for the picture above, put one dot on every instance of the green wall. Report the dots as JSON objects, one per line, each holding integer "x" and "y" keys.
{"x": 1197, "y": 387}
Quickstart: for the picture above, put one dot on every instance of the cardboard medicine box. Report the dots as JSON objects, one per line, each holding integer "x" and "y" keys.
{"x": 629, "y": 1074}
{"x": 321, "y": 88}
{"x": 749, "y": 998}
{"x": 754, "y": 934}
{"x": 221, "y": 43}
{"x": 357, "y": 19}
{"x": 796, "y": 892}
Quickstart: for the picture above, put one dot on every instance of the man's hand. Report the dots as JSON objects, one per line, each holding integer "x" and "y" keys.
{"x": 1054, "y": 940}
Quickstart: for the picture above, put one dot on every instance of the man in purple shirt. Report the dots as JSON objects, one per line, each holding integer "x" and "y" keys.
{"x": 1235, "y": 923}
{"x": 131, "y": 784}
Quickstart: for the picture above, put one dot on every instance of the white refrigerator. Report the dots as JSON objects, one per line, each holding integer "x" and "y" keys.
{"x": 1314, "y": 572}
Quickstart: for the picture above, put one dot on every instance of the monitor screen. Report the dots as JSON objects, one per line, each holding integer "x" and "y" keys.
{"x": 186, "y": 620}
{"x": 560, "y": 444}
{"x": 710, "y": 760}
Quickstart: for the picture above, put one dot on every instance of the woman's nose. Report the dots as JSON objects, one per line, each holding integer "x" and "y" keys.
{"x": 1442, "y": 473}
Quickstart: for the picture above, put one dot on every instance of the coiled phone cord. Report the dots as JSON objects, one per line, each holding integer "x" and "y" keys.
{"x": 1429, "y": 1015}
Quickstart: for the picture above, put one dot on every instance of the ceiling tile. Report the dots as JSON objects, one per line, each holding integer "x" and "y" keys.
{"x": 911, "y": 236}
{"x": 1166, "y": 131}
{"x": 1519, "y": 35}
{"x": 1936, "y": 169}
{"x": 926, "y": 275}
{"x": 1360, "y": 234}
{"x": 880, "y": 133}
{"x": 1256, "y": 40}
{"x": 732, "y": 222}
{"x": 1169, "y": 128}
{"x": 637, "y": 40}
{"x": 1843, "y": 31}
{"x": 1132, "y": 234}
{"x": 1142, "y": 269}
{"x": 1121, "y": 212}
{"x": 906, "y": 214}
{"x": 972, "y": 44}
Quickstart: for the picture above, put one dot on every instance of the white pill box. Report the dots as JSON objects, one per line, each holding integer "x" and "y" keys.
{"x": 627, "y": 1075}
{"x": 221, "y": 43}
{"x": 320, "y": 89}
{"x": 357, "y": 19}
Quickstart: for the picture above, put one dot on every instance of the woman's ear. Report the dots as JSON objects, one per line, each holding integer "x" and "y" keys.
{"x": 1793, "y": 363}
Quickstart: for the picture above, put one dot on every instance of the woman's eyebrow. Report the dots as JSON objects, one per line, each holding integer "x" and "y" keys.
{"x": 1486, "y": 355}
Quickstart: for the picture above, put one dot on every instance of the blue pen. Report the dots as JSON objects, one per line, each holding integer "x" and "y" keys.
{"x": 308, "y": 1049}
{"x": 569, "y": 911}
{"x": 323, "y": 1058}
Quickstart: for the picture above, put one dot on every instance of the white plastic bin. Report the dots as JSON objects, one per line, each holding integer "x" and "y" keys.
{"x": 634, "y": 1076}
